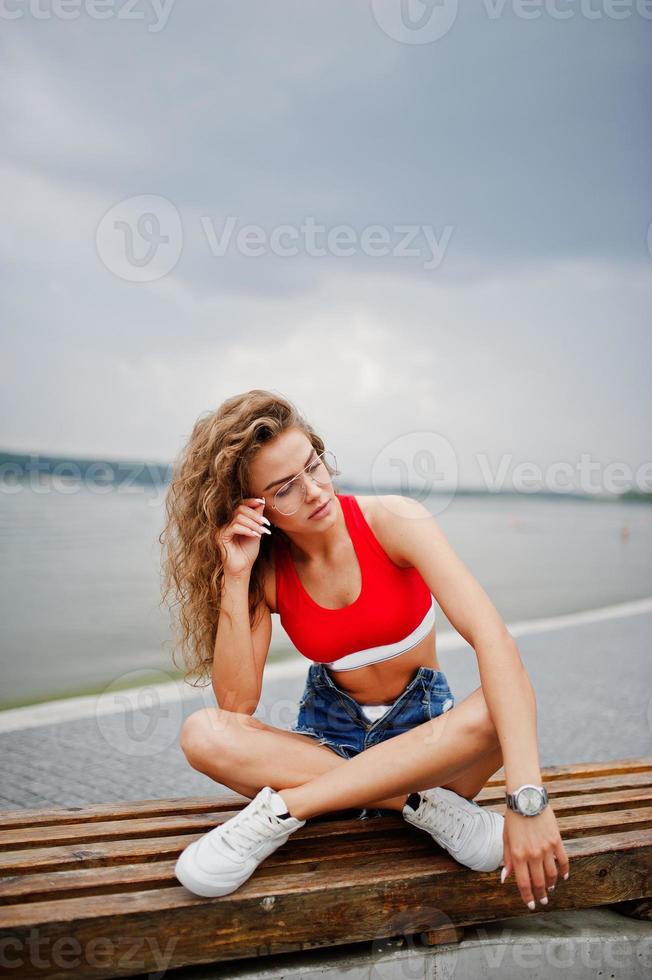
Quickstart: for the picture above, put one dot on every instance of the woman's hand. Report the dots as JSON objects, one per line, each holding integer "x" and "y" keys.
{"x": 239, "y": 542}
{"x": 531, "y": 845}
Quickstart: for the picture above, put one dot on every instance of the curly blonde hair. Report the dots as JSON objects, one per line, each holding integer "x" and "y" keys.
{"x": 210, "y": 477}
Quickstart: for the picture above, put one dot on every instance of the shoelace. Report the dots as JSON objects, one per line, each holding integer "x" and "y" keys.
{"x": 444, "y": 819}
{"x": 241, "y": 834}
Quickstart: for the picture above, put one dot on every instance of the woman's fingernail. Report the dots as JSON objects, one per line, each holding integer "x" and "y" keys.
{"x": 262, "y": 499}
{"x": 263, "y": 518}
{"x": 566, "y": 876}
{"x": 544, "y": 900}
{"x": 265, "y": 530}
{"x": 503, "y": 875}
{"x": 551, "y": 888}
{"x": 530, "y": 905}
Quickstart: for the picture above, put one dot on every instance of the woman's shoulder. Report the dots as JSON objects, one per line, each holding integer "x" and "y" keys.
{"x": 380, "y": 511}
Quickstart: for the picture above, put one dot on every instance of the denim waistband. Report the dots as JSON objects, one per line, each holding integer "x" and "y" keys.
{"x": 320, "y": 677}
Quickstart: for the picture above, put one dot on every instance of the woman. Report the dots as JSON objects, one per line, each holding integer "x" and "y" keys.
{"x": 256, "y": 526}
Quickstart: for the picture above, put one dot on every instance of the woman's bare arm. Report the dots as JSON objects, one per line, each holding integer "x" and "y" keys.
{"x": 416, "y": 537}
{"x": 240, "y": 651}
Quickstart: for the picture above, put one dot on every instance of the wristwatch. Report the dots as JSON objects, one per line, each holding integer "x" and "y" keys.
{"x": 527, "y": 799}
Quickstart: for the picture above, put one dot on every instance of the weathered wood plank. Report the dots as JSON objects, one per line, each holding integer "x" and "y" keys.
{"x": 41, "y": 816}
{"x": 588, "y": 798}
{"x": 86, "y": 881}
{"x": 84, "y": 876}
{"x": 131, "y": 877}
{"x": 601, "y": 803}
{"x": 181, "y": 929}
{"x": 297, "y": 852}
{"x": 559, "y": 788}
{"x": 316, "y": 878}
{"x": 586, "y": 768}
{"x": 386, "y": 833}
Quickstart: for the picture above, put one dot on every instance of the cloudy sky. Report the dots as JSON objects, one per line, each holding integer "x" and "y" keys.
{"x": 418, "y": 222}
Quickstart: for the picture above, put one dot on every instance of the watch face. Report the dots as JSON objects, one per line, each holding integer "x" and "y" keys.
{"x": 529, "y": 801}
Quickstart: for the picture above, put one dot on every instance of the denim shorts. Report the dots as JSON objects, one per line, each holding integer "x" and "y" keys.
{"x": 335, "y": 719}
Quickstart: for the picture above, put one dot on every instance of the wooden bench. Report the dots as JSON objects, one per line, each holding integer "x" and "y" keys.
{"x": 90, "y": 892}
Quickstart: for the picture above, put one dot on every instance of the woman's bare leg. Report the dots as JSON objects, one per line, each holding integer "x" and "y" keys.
{"x": 221, "y": 744}
{"x": 246, "y": 754}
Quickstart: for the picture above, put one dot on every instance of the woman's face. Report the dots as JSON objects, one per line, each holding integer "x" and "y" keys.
{"x": 275, "y": 464}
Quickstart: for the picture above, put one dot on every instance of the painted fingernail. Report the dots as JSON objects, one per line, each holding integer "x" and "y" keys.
{"x": 265, "y": 530}
{"x": 530, "y": 905}
{"x": 551, "y": 888}
{"x": 566, "y": 876}
{"x": 503, "y": 875}
{"x": 263, "y": 518}
{"x": 544, "y": 900}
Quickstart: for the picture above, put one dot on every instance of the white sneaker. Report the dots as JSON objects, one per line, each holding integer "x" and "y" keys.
{"x": 472, "y": 834}
{"x": 220, "y": 861}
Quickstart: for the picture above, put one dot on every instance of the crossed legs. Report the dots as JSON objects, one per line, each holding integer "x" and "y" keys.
{"x": 458, "y": 750}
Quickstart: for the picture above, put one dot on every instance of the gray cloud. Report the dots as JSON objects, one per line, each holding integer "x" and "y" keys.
{"x": 529, "y": 138}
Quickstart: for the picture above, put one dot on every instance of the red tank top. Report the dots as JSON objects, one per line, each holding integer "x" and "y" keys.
{"x": 394, "y": 604}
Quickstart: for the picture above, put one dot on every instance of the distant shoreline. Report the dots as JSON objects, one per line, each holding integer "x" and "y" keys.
{"x": 46, "y": 470}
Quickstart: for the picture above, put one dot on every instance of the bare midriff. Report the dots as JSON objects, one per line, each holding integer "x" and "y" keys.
{"x": 384, "y": 682}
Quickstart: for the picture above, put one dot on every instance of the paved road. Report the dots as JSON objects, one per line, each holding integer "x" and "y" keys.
{"x": 593, "y": 693}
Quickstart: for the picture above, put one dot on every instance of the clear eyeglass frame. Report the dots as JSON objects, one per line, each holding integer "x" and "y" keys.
{"x": 330, "y": 462}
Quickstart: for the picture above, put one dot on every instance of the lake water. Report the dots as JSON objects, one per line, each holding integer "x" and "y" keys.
{"x": 80, "y": 577}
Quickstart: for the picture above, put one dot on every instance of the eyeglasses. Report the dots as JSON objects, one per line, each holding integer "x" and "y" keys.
{"x": 291, "y": 495}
